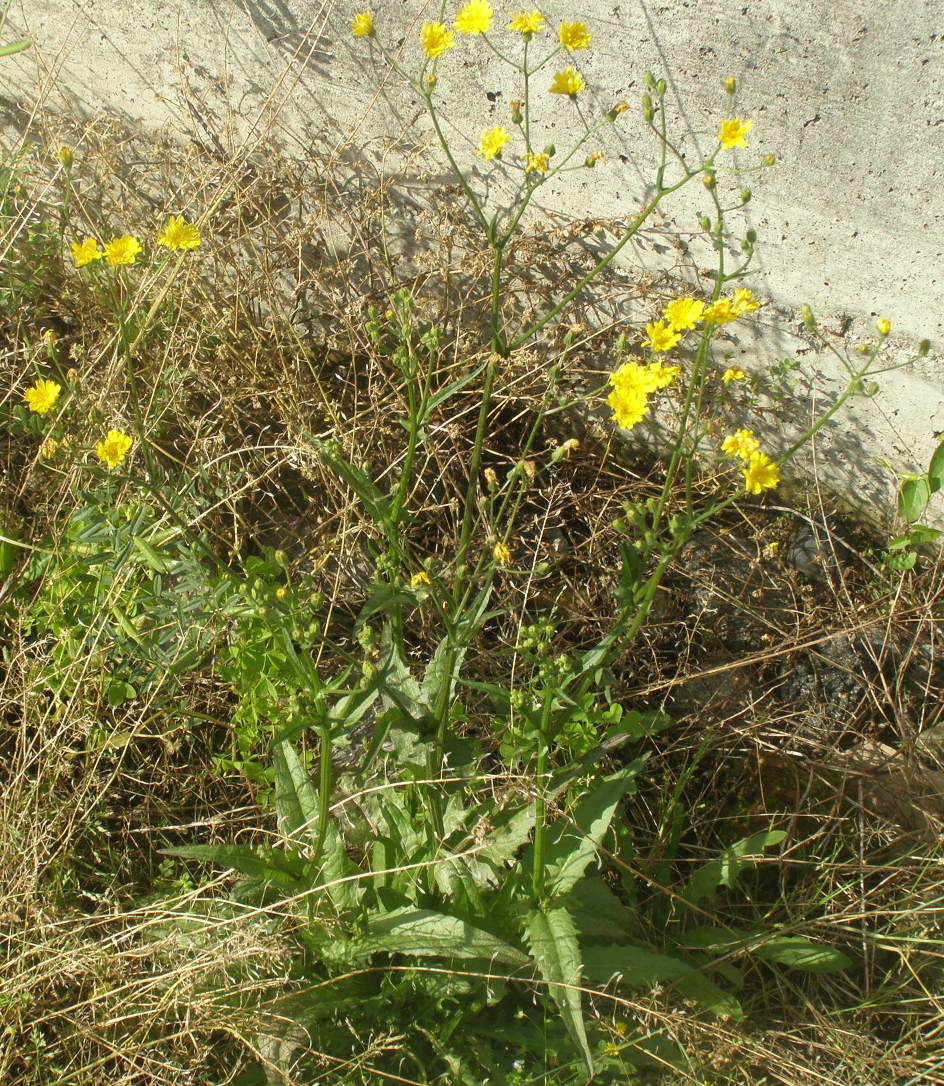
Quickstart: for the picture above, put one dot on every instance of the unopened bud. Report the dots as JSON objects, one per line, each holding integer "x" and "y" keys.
{"x": 730, "y": 84}
{"x": 883, "y": 326}
{"x": 709, "y": 180}
{"x": 491, "y": 478}
{"x": 808, "y": 319}
{"x": 647, "y": 110}
{"x": 745, "y": 195}
{"x": 650, "y": 80}
{"x": 661, "y": 87}
{"x": 768, "y": 160}
{"x": 64, "y": 154}
{"x": 431, "y": 81}
{"x": 515, "y": 107}
{"x": 751, "y": 235}
{"x": 871, "y": 388}
{"x": 923, "y": 347}
{"x": 704, "y": 222}
{"x": 529, "y": 468}
{"x": 593, "y": 158}
{"x": 619, "y": 108}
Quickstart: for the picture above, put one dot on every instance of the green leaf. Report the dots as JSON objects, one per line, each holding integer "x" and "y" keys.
{"x": 913, "y": 496}
{"x": 15, "y": 47}
{"x": 552, "y": 941}
{"x": 723, "y": 871}
{"x": 573, "y": 842}
{"x": 269, "y": 867}
{"x": 377, "y": 505}
{"x": 799, "y": 953}
{"x": 637, "y": 967}
{"x": 431, "y": 934}
{"x": 936, "y": 469}
{"x": 597, "y": 911}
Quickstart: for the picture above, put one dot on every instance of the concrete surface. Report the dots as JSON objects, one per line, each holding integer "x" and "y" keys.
{"x": 848, "y": 95}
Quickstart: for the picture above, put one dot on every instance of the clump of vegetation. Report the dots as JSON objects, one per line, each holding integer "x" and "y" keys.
{"x": 370, "y": 714}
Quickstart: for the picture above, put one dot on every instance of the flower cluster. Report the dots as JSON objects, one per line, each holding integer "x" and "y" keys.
{"x": 633, "y": 384}
{"x": 759, "y": 472}
{"x": 177, "y": 234}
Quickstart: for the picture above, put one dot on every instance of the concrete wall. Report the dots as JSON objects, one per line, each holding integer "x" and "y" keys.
{"x": 848, "y": 95}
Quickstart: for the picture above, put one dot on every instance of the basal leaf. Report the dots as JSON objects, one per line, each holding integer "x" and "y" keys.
{"x": 552, "y": 940}
{"x": 270, "y": 866}
{"x": 431, "y": 934}
{"x": 799, "y": 953}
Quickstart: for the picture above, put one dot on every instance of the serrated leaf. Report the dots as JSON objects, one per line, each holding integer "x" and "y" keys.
{"x": 552, "y": 940}
{"x": 725, "y": 870}
{"x": 282, "y": 870}
{"x": 431, "y": 934}
{"x": 799, "y": 953}
{"x": 637, "y": 967}
{"x": 913, "y": 496}
{"x": 573, "y": 842}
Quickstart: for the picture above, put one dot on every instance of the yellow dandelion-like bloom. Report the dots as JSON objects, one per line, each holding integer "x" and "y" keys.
{"x": 47, "y": 450}
{"x": 742, "y": 301}
{"x": 179, "y": 234}
{"x": 536, "y": 163}
{"x": 732, "y": 132}
{"x": 593, "y": 158}
{"x": 281, "y": 592}
{"x": 662, "y": 337}
{"x": 419, "y": 578}
{"x": 491, "y": 142}
{"x": 502, "y": 554}
{"x": 573, "y": 36}
{"x": 883, "y": 326}
{"x": 113, "y": 449}
{"x": 474, "y": 17}
{"x": 41, "y": 396}
{"x": 721, "y": 312}
{"x": 760, "y": 474}
{"x": 362, "y": 25}
{"x": 86, "y": 252}
{"x": 436, "y": 39}
{"x": 741, "y": 445}
{"x": 684, "y": 313}
{"x": 733, "y": 373}
{"x": 633, "y": 384}
{"x": 569, "y": 82}
{"x": 65, "y": 156}
{"x": 123, "y": 250}
{"x": 629, "y": 407}
{"x": 526, "y": 22}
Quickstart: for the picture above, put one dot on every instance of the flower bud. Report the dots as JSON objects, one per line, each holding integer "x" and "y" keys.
{"x": 515, "y": 108}
{"x": 751, "y": 235}
{"x": 704, "y": 222}
{"x": 923, "y": 347}
{"x": 650, "y": 80}
{"x": 745, "y": 195}
{"x": 593, "y": 158}
{"x": 883, "y": 325}
{"x": 431, "y": 81}
{"x": 647, "y": 110}
{"x": 619, "y": 108}
{"x": 808, "y": 319}
{"x": 64, "y": 154}
{"x": 709, "y": 180}
{"x": 661, "y": 88}
{"x": 871, "y": 389}
{"x": 768, "y": 160}
{"x": 730, "y": 84}
{"x": 491, "y": 478}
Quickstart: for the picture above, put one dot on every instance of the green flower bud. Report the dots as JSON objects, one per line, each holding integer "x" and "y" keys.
{"x": 650, "y": 80}
{"x": 808, "y": 319}
{"x": 704, "y": 222}
{"x": 730, "y": 84}
{"x": 923, "y": 347}
{"x": 661, "y": 88}
{"x": 768, "y": 160}
{"x": 709, "y": 180}
{"x": 647, "y": 110}
{"x": 745, "y": 195}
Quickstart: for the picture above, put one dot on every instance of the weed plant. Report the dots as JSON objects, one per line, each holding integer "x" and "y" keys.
{"x": 344, "y": 720}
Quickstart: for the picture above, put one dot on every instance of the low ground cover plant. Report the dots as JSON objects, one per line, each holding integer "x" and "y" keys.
{"x": 344, "y": 724}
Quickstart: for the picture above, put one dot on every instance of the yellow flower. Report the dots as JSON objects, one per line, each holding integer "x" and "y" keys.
{"x": 527, "y": 22}
{"x": 362, "y": 25}
{"x": 122, "y": 250}
{"x": 684, "y": 313}
{"x": 719, "y": 313}
{"x": 113, "y": 449}
{"x": 629, "y": 406}
{"x": 632, "y": 386}
{"x": 732, "y": 373}
{"x": 435, "y": 39}
{"x": 41, "y": 396}
{"x": 593, "y": 158}
{"x": 732, "y": 132}
{"x": 741, "y": 445}
{"x": 569, "y": 82}
{"x": 281, "y": 592}
{"x": 419, "y": 578}
{"x": 743, "y": 302}
{"x": 491, "y": 142}
{"x": 179, "y": 234}
{"x": 573, "y": 36}
{"x": 474, "y": 17}
{"x": 883, "y": 325}
{"x": 86, "y": 252}
{"x": 502, "y": 554}
{"x": 48, "y": 448}
{"x": 537, "y": 163}
{"x": 662, "y": 337}
{"x": 760, "y": 474}
{"x": 64, "y": 154}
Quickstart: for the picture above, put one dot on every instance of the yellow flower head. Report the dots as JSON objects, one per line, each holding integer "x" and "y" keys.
{"x": 502, "y": 554}
{"x": 419, "y": 578}
{"x": 65, "y": 156}
{"x": 474, "y": 17}
{"x": 569, "y": 82}
{"x": 435, "y": 39}
{"x": 883, "y": 326}
{"x": 122, "y": 250}
{"x": 593, "y": 158}
{"x": 742, "y": 301}
{"x": 491, "y": 142}
{"x": 362, "y": 25}
{"x": 113, "y": 449}
{"x": 719, "y": 313}
{"x": 684, "y": 313}
{"x": 741, "y": 445}
{"x": 42, "y": 395}
{"x": 179, "y": 234}
{"x": 47, "y": 450}
{"x": 662, "y": 337}
{"x": 281, "y": 592}
{"x": 732, "y": 373}
{"x": 760, "y": 474}
{"x": 526, "y": 22}
{"x": 632, "y": 386}
{"x": 732, "y": 132}
{"x": 573, "y": 36}
{"x": 536, "y": 163}
{"x": 86, "y": 252}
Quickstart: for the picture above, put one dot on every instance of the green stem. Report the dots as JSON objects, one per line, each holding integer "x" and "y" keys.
{"x": 540, "y": 806}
